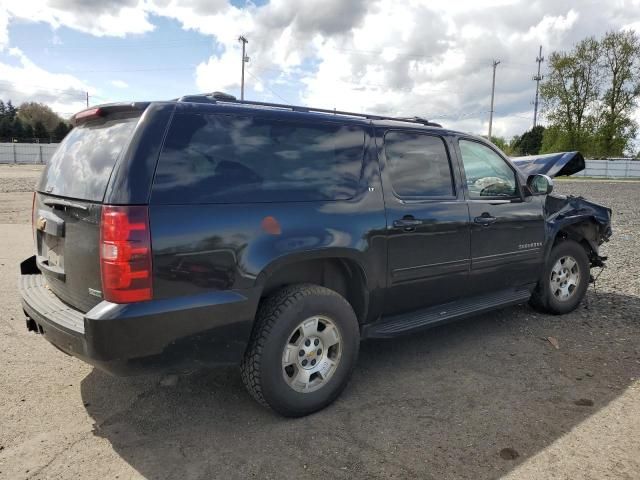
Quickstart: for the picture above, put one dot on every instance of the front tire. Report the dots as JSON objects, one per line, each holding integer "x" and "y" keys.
{"x": 302, "y": 350}
{"x": 565, "y": 279}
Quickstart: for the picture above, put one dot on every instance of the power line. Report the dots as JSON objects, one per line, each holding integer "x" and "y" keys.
{"x": 268, "y": 87}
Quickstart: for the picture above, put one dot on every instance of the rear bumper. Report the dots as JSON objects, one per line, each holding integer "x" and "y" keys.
{"x": 126, "y": 339}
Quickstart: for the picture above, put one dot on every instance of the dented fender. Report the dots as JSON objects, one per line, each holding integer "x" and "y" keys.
{"x": 577, "y": 218}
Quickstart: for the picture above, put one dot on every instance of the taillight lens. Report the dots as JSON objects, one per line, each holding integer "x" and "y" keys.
{"x": 33, "y": 216}
{"x": 125, "y": 254}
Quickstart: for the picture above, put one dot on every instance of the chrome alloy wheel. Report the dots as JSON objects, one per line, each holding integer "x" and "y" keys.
{"x": 564, "y": 278}
{"x": 312, "y": 354}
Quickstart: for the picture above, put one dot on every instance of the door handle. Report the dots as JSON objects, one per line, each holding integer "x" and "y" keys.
{"x": 485, "y": 219}
{"x": 408, "y": 223}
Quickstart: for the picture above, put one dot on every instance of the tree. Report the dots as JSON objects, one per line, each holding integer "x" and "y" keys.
{"x": 28, "y": 132}
{"x": 620, "y": 62}
{"x": 32, "y": 112}
{"x": 501, "y": 143}
{"x": 5, "y": 129}
{"x": 570, "y": 93}
{"x": 530, "y": 142}
{"x": 60, "y": 131}
{"x": 17, "y": 129}
{"x": 39, "y": 131}
{"x": 10, "y": 111}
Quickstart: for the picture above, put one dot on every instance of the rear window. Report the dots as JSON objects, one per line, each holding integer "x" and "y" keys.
{"x": 83, "y": 163}
{"x": 234, "y": 159}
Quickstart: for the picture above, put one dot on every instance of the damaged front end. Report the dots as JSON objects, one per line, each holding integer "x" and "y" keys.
{"x": 575, "y": 218}
{"x": 567, "y": 216}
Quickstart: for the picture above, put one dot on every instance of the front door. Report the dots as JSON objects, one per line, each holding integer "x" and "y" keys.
{"x": 507, "y": 228}
{"x": 427, "y": 222}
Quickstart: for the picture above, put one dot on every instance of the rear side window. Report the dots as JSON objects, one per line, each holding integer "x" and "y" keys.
{"x": 82, "y": 165}
{"x": 418, "y": 165}
{"x": 232, "y": 159}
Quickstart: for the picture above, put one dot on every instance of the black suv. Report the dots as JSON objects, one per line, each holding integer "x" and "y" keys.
{"x": 207, "y": 230}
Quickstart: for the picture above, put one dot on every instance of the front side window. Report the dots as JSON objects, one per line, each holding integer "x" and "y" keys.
{"x": 418, "y": 165}
{"x": 209, "y": 158}
{"x": 488, "y": 175}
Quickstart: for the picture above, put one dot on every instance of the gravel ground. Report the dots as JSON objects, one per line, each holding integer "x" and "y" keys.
{"x": 484, "y": 398}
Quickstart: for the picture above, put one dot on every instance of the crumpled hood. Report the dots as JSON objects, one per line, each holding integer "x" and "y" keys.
{"x": 551, "y": 164}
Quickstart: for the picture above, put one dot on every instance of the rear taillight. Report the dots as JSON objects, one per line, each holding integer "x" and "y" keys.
{"x": 125, "y": 254}
{"x": 33, "y": 216}
{"x": 88, "y": 114}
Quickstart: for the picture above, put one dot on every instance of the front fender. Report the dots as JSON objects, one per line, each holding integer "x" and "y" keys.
{"x": 578, "y": 219}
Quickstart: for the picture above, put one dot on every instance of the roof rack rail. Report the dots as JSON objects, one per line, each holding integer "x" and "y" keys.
{"x": 221, "y": 97}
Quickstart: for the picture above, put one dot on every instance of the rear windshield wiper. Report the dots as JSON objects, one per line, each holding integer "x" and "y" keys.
{"x": 59, "y": 202}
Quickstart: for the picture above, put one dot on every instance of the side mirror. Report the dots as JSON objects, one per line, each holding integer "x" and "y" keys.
{"x": 540, "y": 184}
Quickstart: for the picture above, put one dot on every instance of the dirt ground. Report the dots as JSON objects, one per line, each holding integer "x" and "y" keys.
{"x": 488, "y": 397}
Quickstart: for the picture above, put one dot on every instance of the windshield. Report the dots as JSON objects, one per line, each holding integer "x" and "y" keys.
{"x": 83, "y": 163}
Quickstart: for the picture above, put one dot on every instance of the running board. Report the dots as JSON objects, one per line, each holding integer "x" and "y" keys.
{"x": 428, "y": 317}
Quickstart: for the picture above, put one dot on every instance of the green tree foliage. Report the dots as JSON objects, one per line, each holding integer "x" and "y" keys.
{"x": 28, "y": 131}
{"x": 60, "y": 131}
{"x": 501, "y": 143}
{"x": 17, "y": 129}
{"x": 32, "y": 112}
{"x": 40, "y": 131}
{"x": 10, "y": 111}
{"x": 590, "y": 94}
{"x": 570, "y": 94}
{"x": 620, "y": 63}
{"x": 529, "y": 143}
{"x": 31, "y": 120}
{"x": 5, "y": 127}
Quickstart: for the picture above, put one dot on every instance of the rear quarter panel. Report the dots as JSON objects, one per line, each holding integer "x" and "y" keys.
{"x": 205, "y": 247}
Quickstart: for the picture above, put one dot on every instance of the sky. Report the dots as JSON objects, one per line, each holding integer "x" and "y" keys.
{"x": 426, "y": 58}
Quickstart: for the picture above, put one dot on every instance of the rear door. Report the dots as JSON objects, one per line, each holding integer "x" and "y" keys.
{"x": 427, "y": 222}
{"x": 67, "y": 207}
{"x": 507, "y": 228}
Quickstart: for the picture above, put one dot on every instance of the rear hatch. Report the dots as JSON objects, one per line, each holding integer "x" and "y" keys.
{"x": 68, "y": 203}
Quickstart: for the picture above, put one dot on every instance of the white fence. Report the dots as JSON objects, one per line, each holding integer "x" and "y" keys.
{"x": 32, "y": 153}
{"x": 611, "y": 169}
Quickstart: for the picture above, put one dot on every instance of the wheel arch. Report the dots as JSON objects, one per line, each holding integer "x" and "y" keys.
{"x": 585, "y": 231}
{"x": 339, "y": 271}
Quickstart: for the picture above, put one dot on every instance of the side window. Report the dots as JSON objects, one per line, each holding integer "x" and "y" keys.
{"x": 488, "y": 175}
{"x": 232, "y": 159}
{"x": 418, "y": 165}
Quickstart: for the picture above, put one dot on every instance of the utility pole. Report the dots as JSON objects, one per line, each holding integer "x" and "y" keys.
{"x": 537, "y": 79}
{"x": 245, "y": 59}
{"x": 87, "y": 99}
{"x": 493, "y": 91}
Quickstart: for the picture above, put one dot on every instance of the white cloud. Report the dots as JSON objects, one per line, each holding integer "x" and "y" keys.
{"x": 119, "y": 84}
{"x": 115, "y": 18}
{"x": 428, "y": 57}
{"x": 26, "y": 81}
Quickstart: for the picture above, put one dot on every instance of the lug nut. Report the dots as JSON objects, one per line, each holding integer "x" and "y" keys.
{"x": 307, "y": 342}
{"x": 319, "y": 351}
{"x": 316, "y": 342}
{"x": 301, "y": 353}
{"x": 304, "y": 363}
{"x": 313, "y": 362}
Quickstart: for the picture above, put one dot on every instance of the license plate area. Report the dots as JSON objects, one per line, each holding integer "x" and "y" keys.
{"x": 53, "y": 251}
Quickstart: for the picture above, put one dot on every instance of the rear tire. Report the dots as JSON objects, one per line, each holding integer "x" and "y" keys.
{"x": 564, "y": 281}
{"x": 302, "y": 350}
